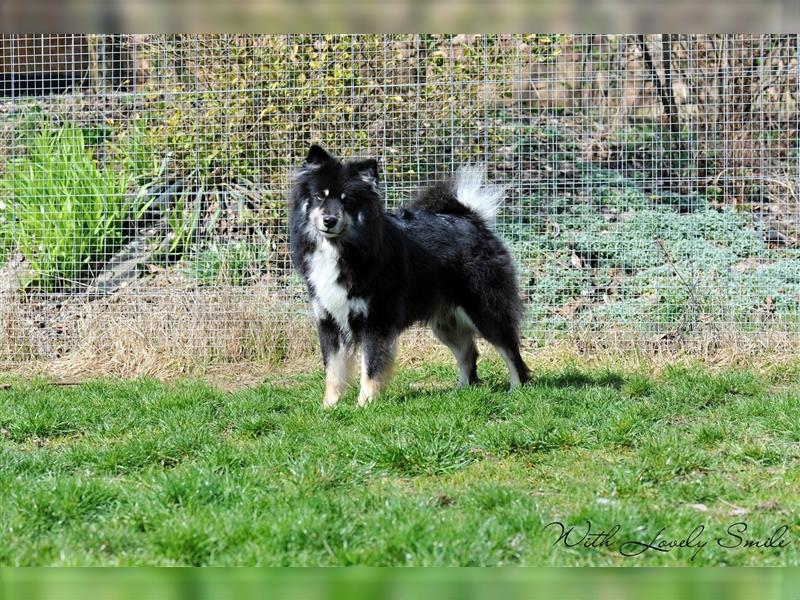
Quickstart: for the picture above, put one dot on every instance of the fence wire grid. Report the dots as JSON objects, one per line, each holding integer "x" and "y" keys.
{"x": 652, "y": 180}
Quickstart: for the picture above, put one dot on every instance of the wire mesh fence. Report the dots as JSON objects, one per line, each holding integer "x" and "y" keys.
{"x": 652, "y": 181}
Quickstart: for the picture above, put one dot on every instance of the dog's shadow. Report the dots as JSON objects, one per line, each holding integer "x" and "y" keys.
{"x": 567, "y": 379}
{"x": 573, "y": 378}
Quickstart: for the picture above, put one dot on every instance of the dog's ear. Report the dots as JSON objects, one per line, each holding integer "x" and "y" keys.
{"x": 316, "y": 156}
{"x": 367, "y": 170}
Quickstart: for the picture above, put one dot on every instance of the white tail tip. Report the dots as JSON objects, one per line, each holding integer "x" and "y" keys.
{"x": 473, "y": 191}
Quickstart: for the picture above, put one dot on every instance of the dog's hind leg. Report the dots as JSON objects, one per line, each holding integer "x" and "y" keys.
{"x": 377, "y": 361}
{"x": 519, "y": 372}
{"x": 337, "y": 355}
{"x": 460, "y": 338}
{"x": 500, "y": 330}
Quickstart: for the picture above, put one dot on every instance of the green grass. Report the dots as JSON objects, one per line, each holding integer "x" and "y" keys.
{"x": 146, "y": 473}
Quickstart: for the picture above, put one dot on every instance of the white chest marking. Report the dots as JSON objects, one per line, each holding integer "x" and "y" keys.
{"x": 330, "y": 295}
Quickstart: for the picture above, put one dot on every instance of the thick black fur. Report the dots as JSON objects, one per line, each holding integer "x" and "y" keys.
{"x": 417, "y": 264}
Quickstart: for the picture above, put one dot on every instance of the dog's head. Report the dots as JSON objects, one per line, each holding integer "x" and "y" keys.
{"x": 339, "y": 198}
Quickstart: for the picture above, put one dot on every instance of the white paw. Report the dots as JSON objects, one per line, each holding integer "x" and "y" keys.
{"x": 365, "y": 398}
{"x": 330, "y": 401}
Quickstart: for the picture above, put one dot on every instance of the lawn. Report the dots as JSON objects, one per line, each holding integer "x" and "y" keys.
{"x": 141, "y": 472}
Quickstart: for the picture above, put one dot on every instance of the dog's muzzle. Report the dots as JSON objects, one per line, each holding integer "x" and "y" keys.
{"x": 332, "y": 226}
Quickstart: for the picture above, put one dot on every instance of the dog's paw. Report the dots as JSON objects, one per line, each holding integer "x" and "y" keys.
{"x": 364, "y": 399}
{"x": 330, "y": 401}
{"x": 369, "y": 391}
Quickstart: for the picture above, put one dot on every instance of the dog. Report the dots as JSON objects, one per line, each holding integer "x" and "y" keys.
{"x": 371, "y": 273}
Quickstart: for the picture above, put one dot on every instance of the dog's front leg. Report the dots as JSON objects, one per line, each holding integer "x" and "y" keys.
{"x": 377, "y": 360}
{"x": 337, "y": 355}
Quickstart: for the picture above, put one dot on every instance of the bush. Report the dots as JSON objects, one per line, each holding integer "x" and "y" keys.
{"x": 237, "y": 263}
{"x": 63, "y": 213}
{"x": 647, "y": 261}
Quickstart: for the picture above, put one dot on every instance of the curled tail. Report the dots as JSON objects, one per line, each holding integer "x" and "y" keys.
{"x": 468, "y": 191}
{"x": 473, "y": 191}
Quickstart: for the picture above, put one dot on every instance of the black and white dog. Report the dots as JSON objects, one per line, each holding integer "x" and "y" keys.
{"x": 371, "y": 274}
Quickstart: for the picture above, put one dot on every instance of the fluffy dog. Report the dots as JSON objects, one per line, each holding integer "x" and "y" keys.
{"x": 371, "y": 273}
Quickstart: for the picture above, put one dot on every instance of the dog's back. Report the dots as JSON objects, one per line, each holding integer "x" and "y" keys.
{"x": 450, "y": 228}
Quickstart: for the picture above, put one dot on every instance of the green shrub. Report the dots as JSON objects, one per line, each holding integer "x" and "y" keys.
{"x": 658, "y": 262}
{"x": 139, "y": 152}
{"x": 237, "y": 263}
{"x": 61, "y": 211}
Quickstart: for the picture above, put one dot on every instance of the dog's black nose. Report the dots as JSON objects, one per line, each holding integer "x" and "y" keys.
{"x": 329, "y": 221}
